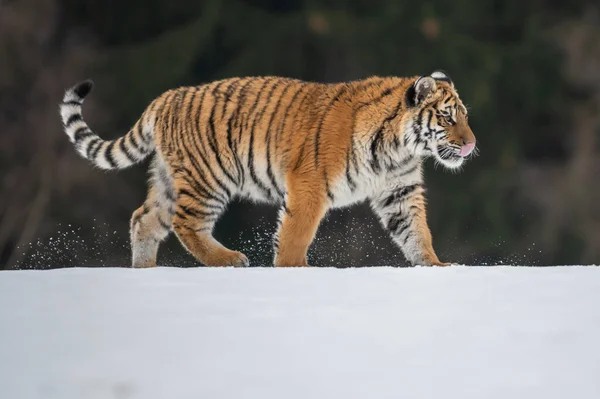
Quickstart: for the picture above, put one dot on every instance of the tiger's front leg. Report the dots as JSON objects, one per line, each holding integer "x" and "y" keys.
{"x": 300, "y": 217}
{"x": 402, "y": 213}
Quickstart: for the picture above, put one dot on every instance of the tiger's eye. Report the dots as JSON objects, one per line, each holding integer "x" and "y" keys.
{"x": 449, "y": 119}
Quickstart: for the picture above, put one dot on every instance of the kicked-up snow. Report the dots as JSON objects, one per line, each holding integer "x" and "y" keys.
{"x": 456, "y": 332}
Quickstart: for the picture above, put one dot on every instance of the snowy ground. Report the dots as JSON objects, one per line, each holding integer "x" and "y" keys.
{"x": 458, "y": 332}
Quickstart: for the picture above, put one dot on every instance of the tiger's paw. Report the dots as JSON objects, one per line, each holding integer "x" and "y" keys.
{"x": 238, "y": 259}
{"x": 282, "y": 262}
{"x": 442, "y": 264}
{"x": 436, "y": 262}
{"x": 226, "y": 257}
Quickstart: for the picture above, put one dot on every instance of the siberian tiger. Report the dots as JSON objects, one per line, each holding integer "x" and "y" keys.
{"x": 307, "y": 147}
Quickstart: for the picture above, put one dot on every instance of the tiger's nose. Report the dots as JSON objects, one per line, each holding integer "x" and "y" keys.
{"x": 466, "y": 149}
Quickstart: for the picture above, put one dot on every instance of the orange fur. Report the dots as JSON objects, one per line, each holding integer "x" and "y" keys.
{"x": 306, "y": 146}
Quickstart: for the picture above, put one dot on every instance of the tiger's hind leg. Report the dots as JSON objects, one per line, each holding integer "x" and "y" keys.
{"x": 196, "y": 212}
{"x": 151, "y": 223}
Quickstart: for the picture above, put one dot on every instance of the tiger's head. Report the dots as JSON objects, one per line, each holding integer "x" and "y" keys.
{"x": 438, "y": 125}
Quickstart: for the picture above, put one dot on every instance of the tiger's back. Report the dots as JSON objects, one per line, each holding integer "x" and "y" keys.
{"x": 305, "y": 146}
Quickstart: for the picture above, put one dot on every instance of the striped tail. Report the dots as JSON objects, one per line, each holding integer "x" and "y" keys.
{"x": 121, "y": 153}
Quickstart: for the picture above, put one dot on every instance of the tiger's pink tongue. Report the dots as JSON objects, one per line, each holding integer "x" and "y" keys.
{"x": 467, "y": 149}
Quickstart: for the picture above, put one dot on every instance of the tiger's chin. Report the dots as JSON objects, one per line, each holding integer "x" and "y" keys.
{"x": 452, "y": 163}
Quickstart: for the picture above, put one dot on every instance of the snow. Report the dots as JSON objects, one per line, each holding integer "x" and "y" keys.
{"x": 456, "y": 332}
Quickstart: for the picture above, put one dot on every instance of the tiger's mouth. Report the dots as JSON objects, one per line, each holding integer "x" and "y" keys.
{"x": 449, "y": 155}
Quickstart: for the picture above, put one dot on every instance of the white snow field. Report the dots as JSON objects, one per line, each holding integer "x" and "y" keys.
{"x": 168, "y": 333}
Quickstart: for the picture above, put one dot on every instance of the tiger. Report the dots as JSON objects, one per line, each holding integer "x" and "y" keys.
{"x": 306, "y": 147}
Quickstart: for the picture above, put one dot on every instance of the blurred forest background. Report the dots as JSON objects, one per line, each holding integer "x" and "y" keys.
{"x": 528, "y": 70}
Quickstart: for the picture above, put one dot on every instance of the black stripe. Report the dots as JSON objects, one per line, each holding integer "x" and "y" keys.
{"x": 94, "y": 153}
{"x": 251, "y": 165}
{"x": 407, "y": 237}
{"x": 204, "y": 150}
{"x": 204, "y": 189}
{"x": 365, "y": 84}
{"x": 148, "y": 112}
{"x": 268, "y": 142}
{"x": 72, "y": 102}
{"x": 82, "y": 133}
{"x": 161, "y": 118}
{"x": 256, "y": 100}
{"x": 189, "y": 124}
{"x": 375, "y": 145}
{"x": 380, "y": 97}
{"x": 200, "y": 200}
{"x": 229, "y": 92}
{"x": 125, "y": 151}
{"x": 91, "y": 144}
{"x": 402, "y": 164}
{"x": 212, "y": 139}
{"x": 329, "y": 193}
{"x": 410, "y": 96}
{"x": 299, "y": 128}
{"x": 188, "y": 113}
{"x": 72, "y": 119}
{"x": 394, "y": 222}
{"x": 168, "y": 119}
{"x": 167, "y": 122}
{"x": 398, "y": 195}
{"x": 167, "y": 184}
{"x": 409, "y": 170}
{"x": 284, "y": 119}
{"x": 394, "y": 112}
{"x": 418, "y": 124}
{"x": 182, "y": 226}
{"x": 184, "y": 217}
{"x": 353, "y": 157}
{"x": 133, "y": 140}
{"x": 420, "y": 115}
{"x": 163, "y": 224}
{"x": 351, "y": 182}
{"x": 197, "y": 213}
{"x": 239, "y": 119}
{"x": 108, "y": 154}
{"x": 178, "y": 121}
{"x": 428, "y": 133}
{"x": 232, "y": 119}
{"x": 320, "y": 126}
{"x": 138, "y": 131}
{"x": 360, "y": 87}
{"x": 169, "y": 192}
{"x": 379, "y": 135}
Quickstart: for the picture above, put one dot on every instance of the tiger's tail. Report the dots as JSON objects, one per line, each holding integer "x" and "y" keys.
{"x": 121, "y": 153}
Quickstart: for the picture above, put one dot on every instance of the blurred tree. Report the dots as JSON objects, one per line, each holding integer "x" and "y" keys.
{"x": 527, "y": 70}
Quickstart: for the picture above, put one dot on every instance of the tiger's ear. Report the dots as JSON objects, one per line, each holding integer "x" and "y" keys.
{"x": 420, "y": 90}
{"x": 443, "y": 76}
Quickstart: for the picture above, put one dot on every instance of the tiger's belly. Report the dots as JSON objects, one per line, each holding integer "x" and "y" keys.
{"x": 368, "y": 185}
{"x": 365, "y": 185}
